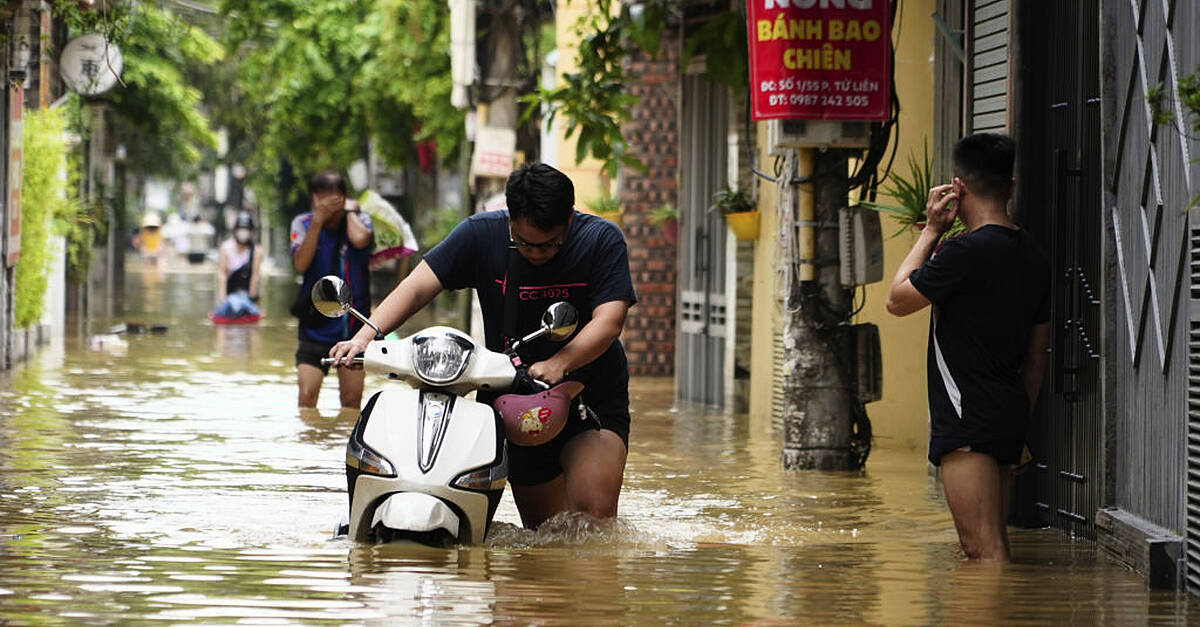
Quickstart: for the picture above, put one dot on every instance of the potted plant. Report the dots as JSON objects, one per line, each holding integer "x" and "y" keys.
{"x": 739, "y": 210}
{"x": 667, "y": 217}
{"x": 606, "y": 207}
{"x": 912, "y": 193}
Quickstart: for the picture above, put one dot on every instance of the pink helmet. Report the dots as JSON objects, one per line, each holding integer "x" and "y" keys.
{"x": 532, "y": 419}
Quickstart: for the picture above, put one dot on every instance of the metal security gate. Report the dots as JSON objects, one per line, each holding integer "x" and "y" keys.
{"x": 1192, "y": 560}
{"x": 1060, "y": 202}
{"x": 700, "y": 356}
{"x": 1148, "y": 181}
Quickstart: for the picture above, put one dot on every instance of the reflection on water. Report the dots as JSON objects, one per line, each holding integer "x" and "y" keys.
{"x": 175, "y": 480}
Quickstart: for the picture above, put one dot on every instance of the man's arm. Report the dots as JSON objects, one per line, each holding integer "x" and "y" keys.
{"x": 413, "y": 293}
{"x": 903, "y": 298}
{"x": 940, "y": 212}
{"x": 357, "y": 232}
{"x": 593, "y": 339}
{"x": 1035, "y": 361}
{"x": 255, "y": 271}
{"x": 322, "y": 213}
{"x": 222, "y": 274}
{"x": 303, "y": 255}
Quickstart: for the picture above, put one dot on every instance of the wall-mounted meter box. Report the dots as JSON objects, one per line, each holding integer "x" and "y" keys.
{"x": 868, "y": 361}
{"x": 860, "y": 246}
{"x": 783, "y": 135}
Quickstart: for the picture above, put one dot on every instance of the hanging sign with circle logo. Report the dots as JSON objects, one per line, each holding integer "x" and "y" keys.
{"x": 91, "y": 65}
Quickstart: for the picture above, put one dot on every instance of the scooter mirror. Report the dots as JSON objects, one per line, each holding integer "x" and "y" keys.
{"x": 560, "y": 320}
{"x": 331, "y": 297}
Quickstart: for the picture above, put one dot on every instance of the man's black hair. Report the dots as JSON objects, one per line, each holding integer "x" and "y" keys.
{"x": 540, "y": 195}
{"x": 327, "y": 181}
{"x": 984, "y": 161}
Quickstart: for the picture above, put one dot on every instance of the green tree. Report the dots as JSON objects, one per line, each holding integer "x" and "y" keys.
{"x": 595, "y": 100}
{"x": 318, "y": 81}
{"x": 158, "y": 113}
{"x": 155, "y": 110}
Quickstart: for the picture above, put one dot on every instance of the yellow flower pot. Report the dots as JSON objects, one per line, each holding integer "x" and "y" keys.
{"x": 744, "y": 224}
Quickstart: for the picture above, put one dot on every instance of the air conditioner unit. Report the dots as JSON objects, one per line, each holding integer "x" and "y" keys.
{"x": 860, "y": 246}
{"x": 783, "y": 135}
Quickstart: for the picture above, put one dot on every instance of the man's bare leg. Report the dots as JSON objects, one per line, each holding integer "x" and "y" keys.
{"x": 593, "y": 469}
{"x": 350, "y": 386}
{"x": 538, "y": 502}
{"x": 975, "y": 485}
{"x": 309, "y": 378}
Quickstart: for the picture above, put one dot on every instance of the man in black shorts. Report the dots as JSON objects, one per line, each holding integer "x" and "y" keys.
{"x": 990, "y": 291}
{"x": 560, "y": 255}
{"x": 334, "y": 238}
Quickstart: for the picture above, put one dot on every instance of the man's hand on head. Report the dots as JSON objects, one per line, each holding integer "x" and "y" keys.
{"x": 941, "y": 209}
{"x": 326, "y": 207}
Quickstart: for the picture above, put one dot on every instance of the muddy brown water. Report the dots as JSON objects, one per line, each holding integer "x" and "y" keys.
{"x": 172, "y": 480}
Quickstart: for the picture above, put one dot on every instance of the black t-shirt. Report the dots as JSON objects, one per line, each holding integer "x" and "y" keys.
{"x": 988, "y": 288}
{"x": 592, "y": 268}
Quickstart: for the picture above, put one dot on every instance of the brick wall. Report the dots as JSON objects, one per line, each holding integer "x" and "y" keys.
{"x": 653, "y": 135}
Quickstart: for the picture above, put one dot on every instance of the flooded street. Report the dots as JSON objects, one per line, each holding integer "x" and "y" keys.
{"x": 171, "y": 480}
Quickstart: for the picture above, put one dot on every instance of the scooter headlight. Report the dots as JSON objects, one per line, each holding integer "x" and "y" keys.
{"x": 440, "y": 358}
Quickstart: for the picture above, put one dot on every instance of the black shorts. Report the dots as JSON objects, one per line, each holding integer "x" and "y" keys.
{"x": 1005, "y": 451}
{"x": 531, "y": 465}
{"x": 311, "y": 352}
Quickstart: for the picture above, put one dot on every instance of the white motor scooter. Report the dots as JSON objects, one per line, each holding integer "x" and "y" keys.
{"x": 424, "y": 462}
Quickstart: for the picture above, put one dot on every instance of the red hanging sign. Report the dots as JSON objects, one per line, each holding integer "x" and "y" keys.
{"x": 820, "y": 59}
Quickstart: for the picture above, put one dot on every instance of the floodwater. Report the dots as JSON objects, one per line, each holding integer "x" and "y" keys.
{"x": 172, "y": 480}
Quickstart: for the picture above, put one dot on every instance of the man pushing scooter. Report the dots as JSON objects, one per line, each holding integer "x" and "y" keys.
{"x": 540, "y": 250}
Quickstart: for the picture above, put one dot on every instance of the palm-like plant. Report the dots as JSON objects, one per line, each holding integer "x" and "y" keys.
{"x": 733, "y": 200}
{"x": 911, "y": 192}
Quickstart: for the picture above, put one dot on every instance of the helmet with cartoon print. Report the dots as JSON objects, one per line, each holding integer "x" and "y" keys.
{"x": 533, "y": 419}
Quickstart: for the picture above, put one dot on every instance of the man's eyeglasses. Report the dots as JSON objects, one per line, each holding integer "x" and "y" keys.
{"x": 518, "y": 244}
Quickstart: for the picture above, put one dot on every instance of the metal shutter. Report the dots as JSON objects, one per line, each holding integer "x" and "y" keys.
{"x": 988, "y": 78}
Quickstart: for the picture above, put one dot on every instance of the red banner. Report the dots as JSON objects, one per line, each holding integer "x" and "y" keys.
{"x": 820, "y": 59}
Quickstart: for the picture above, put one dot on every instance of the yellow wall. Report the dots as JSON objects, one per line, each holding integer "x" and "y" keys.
{"x": 766, "y": 314}
{"x": 900, "y": 419}
{"x": 585, "y": 175}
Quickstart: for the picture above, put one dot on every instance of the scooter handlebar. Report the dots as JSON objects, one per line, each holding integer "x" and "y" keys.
{"x": 354, "y": 361}
{"x": 523, "y": 379}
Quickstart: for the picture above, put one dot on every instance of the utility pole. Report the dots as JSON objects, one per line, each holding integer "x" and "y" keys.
{"x": 819, "y": 387}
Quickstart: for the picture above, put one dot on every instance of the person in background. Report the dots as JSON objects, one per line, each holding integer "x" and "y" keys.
{"x": 199, "y": 235}
{"x": 990, "y": 292}
{"x": 334, "y": 238}
{"x": 239, "y": 273}
{"x": 175, "y": 232}
{"x": 149, "y": 238}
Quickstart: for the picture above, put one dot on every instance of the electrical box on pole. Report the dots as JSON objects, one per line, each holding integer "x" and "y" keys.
{"x": 860, "y": 246}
